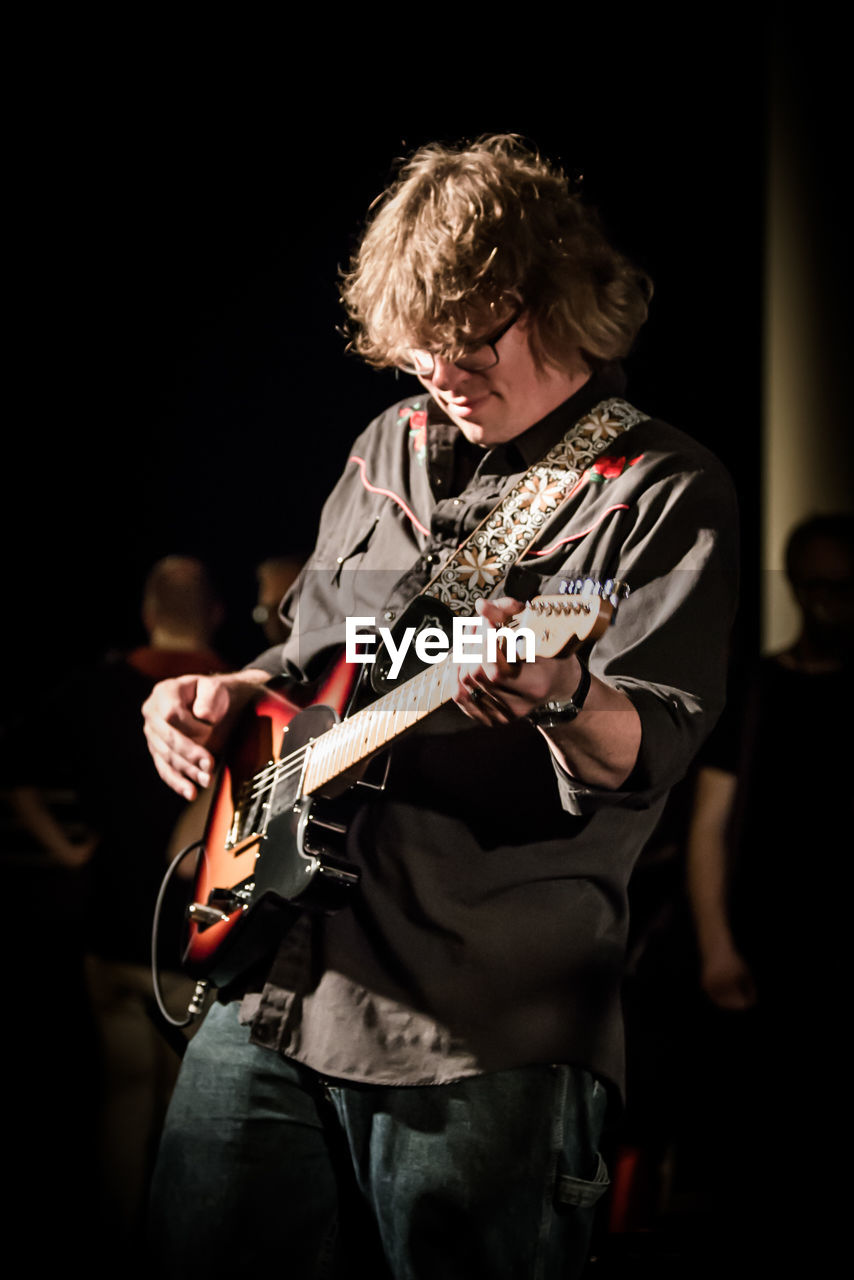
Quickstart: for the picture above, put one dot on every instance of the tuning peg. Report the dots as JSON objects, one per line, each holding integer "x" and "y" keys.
{"x": 612, "y": 589}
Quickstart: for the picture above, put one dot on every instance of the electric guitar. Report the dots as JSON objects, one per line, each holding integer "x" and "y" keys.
{"x": 274, "y": 842}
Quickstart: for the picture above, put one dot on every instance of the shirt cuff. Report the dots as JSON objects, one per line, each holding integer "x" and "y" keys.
{"x": 271, "y": 661}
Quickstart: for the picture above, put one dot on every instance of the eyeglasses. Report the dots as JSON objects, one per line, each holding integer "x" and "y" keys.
{"x": 477, "y": 359}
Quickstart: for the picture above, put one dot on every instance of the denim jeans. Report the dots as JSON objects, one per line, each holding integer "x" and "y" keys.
{"x": 261, "y": 1161}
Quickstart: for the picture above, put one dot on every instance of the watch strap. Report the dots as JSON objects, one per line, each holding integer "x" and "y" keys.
{"x": 555, "y": 712}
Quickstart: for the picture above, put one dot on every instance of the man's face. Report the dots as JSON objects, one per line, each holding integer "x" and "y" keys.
{"x": 499, "y": 403}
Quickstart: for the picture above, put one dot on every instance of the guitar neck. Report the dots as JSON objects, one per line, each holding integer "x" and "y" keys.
{"x": 360, "y": 736}
{"x": 554, "y": 624}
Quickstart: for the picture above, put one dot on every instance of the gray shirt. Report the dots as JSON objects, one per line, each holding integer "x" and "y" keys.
{"x": 489, "y": 927}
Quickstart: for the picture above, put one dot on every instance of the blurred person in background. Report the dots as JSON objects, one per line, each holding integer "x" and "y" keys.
{"x": 119, "y": 845}
{"x": 275, "y": 578}
{"x": 767, "y": 868}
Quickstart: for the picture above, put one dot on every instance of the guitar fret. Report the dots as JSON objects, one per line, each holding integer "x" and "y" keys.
{"x": 235, "y": 839}
{"x": 321, "y": 765}
{"x": 340, "y": 748}
{"x": 362, "y": 735}
{"x": 417, "y": 702}
{"x": 448, "y": 682}
{"x": 396, "y": 717}
{"x": 312, "y": 771}
{"x": 320, "y": 753}
{"x": 374, "y": 735}
{"x": 367, "y": 734}
{"x": 352, "y": 734}
{"x": 327, "y": 755}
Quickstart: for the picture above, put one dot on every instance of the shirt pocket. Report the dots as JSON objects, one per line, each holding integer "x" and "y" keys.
{"x": 347, "y": 556}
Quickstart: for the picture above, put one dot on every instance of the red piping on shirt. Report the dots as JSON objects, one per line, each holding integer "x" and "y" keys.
{"x": 387, "y": 493}
{"x": 621, "y": 506}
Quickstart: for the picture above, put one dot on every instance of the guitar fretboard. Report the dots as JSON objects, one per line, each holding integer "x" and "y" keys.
{"x": 555, "y": 621}
{"x": 362, "y": 735}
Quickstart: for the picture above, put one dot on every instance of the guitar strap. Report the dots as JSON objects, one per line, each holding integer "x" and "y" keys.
{"x": 489, "y": 553}
{"x": 485, "y": 558}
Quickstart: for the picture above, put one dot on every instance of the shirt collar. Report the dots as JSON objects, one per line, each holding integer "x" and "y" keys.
{"x": 535, "y": 443}
{"x": 532, "y": 446}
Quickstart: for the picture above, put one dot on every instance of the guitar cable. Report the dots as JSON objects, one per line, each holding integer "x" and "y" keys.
{"x": 194, "y": 1008}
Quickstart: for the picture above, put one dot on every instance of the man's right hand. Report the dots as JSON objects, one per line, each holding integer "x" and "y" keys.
{"x": 188, "y": 718}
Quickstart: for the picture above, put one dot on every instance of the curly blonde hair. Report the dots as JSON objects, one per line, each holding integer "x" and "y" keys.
{"x": 467, "y": 234}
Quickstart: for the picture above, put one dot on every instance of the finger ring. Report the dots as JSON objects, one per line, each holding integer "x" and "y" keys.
{"x": 475, "y": 695}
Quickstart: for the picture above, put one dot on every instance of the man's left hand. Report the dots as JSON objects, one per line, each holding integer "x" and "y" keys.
{"x": 501, "y": 691}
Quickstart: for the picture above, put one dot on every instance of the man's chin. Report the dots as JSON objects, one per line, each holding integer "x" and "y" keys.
{"x": 478, "y": 428}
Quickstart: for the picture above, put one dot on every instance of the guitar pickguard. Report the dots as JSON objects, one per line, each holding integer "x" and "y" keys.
{"x": 257, "y": 808}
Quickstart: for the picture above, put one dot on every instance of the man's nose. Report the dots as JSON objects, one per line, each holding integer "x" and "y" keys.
{"x": 447, "y": 376}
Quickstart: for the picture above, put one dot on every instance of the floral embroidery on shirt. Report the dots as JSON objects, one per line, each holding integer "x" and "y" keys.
{"x": 609, "y": 468}
{"x": 417, "y": 420}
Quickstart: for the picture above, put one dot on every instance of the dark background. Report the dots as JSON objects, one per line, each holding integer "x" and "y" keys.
{"x": 179, "y": 204}
{"x": 181, "y": 215}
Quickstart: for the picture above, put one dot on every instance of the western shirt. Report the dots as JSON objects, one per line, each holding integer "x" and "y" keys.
{"x": 489, "y": 925}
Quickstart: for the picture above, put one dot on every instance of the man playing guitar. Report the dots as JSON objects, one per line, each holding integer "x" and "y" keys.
{"x": 447, "y": 1041}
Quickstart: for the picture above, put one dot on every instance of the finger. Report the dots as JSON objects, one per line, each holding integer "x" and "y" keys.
{"x": 493, "y": 702}
{"x": 468, "y": 697}
{"x": 212, "y": 701}
{"x": 175, "y": 780}
{"x": 183, "y": 720}
{"x": 172, "y": 740}
{"x": 175, "y": 777}
{"x": 484, "y": 703}
{"x": 179, "y": 761}
{"x": 162, "y": 759}
{"x": 498, "y": 612}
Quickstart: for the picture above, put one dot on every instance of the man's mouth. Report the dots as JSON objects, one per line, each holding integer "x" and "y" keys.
{"x": 466, "y": 407}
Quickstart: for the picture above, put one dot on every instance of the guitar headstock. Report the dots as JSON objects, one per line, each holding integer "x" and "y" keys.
{"x": 580, "y": 614}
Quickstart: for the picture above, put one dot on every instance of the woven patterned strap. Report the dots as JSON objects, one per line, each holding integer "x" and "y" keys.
{"x": 486, "y": 557}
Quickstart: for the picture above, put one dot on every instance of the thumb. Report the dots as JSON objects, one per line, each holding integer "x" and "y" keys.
{"x": 212, "y": 700}
{"x": 497, "y": 612}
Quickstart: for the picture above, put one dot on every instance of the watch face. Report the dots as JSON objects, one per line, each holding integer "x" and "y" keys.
{"x": 552, "y": 713}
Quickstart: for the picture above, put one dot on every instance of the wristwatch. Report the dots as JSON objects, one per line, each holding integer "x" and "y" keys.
{"x": 550, "y": 714}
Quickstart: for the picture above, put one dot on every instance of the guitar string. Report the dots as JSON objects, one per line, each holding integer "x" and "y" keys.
{"x": 276, "y": 771}
{"x": 267, "y": 778}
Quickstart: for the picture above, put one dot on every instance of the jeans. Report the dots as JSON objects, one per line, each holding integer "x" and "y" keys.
{"x": 263, "y": 1164}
